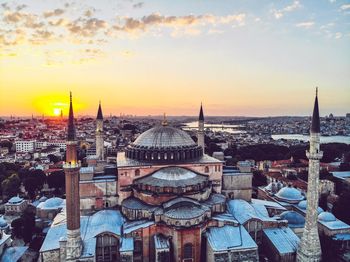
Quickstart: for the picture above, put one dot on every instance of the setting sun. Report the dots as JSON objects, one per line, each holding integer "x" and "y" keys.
{"x": 56, "y": 111}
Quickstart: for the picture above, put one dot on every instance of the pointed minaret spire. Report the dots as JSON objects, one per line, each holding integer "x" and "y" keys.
{"x": 200, "y": 131}
{"x": 315, "y": 124}
{"x": 99, "y": 112}
{"x": 71, "y": 127}
{"x": 309, "y": 249}
{"x": 201, "y": 115}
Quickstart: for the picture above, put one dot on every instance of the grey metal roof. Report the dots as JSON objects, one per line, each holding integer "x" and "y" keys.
{"x": 163, "y": 137}
{"x": 230, "y": 238}
{"x": 284, "y": 239}
{"x": 172, "y": 176}
{"x": 161, "y": 242}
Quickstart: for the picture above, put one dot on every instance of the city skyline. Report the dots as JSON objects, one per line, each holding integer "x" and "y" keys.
{"x": 262, "y": 58}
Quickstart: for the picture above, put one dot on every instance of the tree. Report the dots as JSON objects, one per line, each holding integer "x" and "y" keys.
{"x": 34, "y": 181}
{"x": 341, "y": 207}
{"x": 10, "y": 186}
{"x": 259, "y": 179}
{"x": 56, "y": 180}
{"x": 54, "y": 159}
{"x": 323, "y": 202}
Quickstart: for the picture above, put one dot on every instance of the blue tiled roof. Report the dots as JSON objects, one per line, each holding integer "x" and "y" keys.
{"x": 229, "y": 238}
{"x": 284, "y": 239}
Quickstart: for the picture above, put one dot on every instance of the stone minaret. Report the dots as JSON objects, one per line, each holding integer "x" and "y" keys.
{"x": 71, "y": 169}
{"x": 309, "y": 248}
{"x": 200, "y": 134}
{"x": 99, "y": 134}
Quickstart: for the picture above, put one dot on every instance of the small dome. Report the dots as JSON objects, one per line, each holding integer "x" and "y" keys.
{"x": 303, "y": 205}
{"x": 326, "y": 217}
{"x": 289, "y": 194}
{"x": 52, "y": 203}
{"x": 15, "y": 200}
{"x": 294, "y": 218}
{"x": 3, "y": 223}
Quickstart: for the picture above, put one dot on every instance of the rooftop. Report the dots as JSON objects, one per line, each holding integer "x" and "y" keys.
{"x": 230, "y": 238}
{"x": 284, "y": 239}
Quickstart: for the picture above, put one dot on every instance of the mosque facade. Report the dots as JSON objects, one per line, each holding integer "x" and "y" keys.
{"x": 167, "y": 201}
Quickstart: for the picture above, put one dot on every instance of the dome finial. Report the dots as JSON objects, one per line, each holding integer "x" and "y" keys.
{"x": 165, "y": 121}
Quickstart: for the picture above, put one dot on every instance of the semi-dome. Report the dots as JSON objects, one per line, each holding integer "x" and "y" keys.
{"x": 173, "y": 177}
{"x": 112, "y": 216}
{"x": 289, "y": 194}
{"x": 294, "y": 218}
{"x": 164, "y": 144}
{"x": 326, "y": 217}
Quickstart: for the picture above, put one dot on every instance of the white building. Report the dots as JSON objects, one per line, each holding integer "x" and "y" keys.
{"x": 25, "y": 146}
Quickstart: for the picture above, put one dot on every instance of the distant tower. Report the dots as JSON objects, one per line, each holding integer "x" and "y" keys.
{"x": 61, "y": 114}
{"x": 200, "y": 134}
{"x": 99, "y": 134}
{"x": 309, "y": 247}
{"x": 71, "y": 169}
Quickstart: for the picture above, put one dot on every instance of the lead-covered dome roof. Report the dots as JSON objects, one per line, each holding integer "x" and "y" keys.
{"x": 326, "y": 217}
{"x": 164, "y": 144}
{"x": 163, "y": 137}
{"x": 289, "y": 194}
{"x": 294, "y": 218}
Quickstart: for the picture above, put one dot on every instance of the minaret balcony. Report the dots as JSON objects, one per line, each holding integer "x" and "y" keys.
{"x": 71, "y": 165}
{"x": 314, "y": 155}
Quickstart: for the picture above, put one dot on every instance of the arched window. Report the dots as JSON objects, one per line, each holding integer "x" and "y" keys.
{"x": 137, "y": 172}
{"x": 188, "y": 252}
{"x": 206, "y": 169}
{"x": 107, "y": 248}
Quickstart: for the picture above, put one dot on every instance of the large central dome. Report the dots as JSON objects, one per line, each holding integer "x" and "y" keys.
{"x": 164, "y": 136}
{"x": 164, "y": 144}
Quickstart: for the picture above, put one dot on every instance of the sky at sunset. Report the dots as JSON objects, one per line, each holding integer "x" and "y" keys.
{"x": 238, "y": 57}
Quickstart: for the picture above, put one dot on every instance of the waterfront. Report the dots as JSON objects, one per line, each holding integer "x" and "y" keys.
{"x": 232, "y": 129}
{"x": 305, "y": 138}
